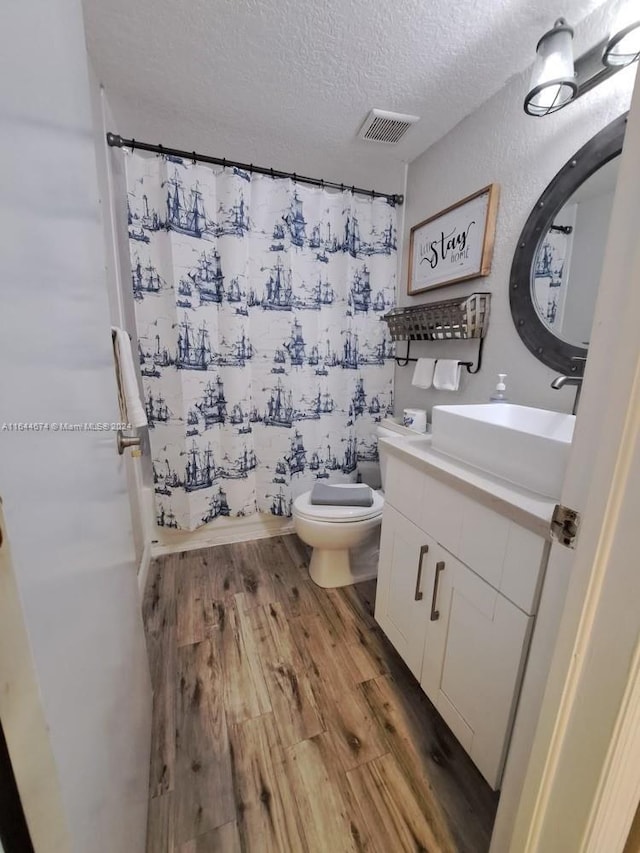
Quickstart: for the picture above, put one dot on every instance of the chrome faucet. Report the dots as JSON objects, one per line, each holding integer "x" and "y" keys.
{"x": 561, "y": 381}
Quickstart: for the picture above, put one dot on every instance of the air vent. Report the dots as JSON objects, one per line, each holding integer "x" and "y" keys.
{"x": 386, "y": 127}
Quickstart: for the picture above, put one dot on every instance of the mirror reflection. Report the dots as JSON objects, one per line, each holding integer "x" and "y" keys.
{"x": 568, "y": 264}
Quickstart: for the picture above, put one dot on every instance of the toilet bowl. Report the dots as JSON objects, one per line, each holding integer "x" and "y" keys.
{"x": 332, "y": 530}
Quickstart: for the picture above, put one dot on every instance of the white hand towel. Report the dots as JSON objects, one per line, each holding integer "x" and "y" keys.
{"x": 131, "y": 408}
{"x": 423, "y": 374}
{"x": 446, "y": 376}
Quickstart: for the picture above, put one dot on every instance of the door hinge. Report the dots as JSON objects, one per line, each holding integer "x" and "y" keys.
{"x": 565, "y": 523}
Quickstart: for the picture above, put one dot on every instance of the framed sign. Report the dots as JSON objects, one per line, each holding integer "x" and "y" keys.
{"x": 455, "y": 244}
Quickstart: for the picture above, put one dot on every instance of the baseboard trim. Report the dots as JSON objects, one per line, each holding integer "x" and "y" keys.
{"x": 224, "y": 532}
{"x": 143, "y": 568}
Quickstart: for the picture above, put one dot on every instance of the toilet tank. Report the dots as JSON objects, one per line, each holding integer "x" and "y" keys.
{"x": 381, "y": 432}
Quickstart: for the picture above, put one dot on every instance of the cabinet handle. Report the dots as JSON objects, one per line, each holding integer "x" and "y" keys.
{"x": 423, "y": 551}
{"x": 435, "y": 614}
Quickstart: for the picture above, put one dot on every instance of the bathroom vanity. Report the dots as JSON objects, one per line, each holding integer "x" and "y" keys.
{"x": 462, "y": 563}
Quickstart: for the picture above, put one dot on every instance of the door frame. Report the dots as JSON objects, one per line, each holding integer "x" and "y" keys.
{"x": 25, "y": 727}
{"x": 583, "y": 779}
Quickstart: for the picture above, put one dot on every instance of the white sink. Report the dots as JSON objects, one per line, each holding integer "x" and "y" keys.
{"x": 528, "y": 447}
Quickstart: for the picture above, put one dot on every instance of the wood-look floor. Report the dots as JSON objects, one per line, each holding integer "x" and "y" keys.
{"x": 285, "y": 721}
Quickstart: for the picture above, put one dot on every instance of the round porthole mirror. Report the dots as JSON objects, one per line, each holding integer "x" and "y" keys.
{"x": 558, "y": 262}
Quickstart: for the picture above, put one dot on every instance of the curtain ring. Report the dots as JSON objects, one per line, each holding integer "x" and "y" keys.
{"x": 133, "y": 145}
{"x": 322, "y": 182}
{"x": 373, "y": 194}
{"x": 341, "y": 188}
{"x": 224, "y": 162}
{"x": 295, "y": 177}
{"x": 193, "y": 157}
{"x": 272, "y": 172}
{"x": 353, "y": 190}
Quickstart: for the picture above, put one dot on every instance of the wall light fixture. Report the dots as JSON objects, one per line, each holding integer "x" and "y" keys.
{"x": 556, "y": 80}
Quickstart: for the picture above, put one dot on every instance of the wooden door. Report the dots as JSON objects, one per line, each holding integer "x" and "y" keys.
{"x": 475, "y": 642}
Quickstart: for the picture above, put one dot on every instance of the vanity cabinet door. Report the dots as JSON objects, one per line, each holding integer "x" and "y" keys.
{"x": 473, "y": 659}
{"x": 401, "y": 602}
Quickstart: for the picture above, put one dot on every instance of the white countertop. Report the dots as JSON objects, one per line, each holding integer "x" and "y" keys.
{"x": 526, "y": 508}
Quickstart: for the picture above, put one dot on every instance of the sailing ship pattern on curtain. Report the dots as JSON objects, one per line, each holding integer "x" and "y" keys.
{"x": 264, "y": 357}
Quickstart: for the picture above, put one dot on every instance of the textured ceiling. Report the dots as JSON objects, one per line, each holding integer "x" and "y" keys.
{"x": 289, "y": 82}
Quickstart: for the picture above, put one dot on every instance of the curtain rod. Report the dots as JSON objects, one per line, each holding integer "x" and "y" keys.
{"x": 114, "y": 140}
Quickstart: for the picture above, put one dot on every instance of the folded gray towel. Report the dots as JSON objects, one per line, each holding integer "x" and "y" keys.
{"x": 323, "y": 495}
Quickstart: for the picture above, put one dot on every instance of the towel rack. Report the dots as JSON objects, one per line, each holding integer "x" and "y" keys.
{"x": 448, "y": 320}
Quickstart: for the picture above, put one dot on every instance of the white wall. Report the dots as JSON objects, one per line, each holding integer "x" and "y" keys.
{"x": 64, "y": 493}
{"x": 373, "y": 168}
{"x": 499, "y": 143}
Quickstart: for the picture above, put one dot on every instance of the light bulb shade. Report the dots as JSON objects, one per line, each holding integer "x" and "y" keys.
{"x": 623, "y": 46}
{"x": 553, "y": 82}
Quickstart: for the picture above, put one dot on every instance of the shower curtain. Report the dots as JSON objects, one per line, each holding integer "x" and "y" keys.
{"x": 264, "y": 356}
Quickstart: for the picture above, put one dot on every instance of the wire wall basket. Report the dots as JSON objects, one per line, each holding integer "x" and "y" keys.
{"x": 451, "y": 319}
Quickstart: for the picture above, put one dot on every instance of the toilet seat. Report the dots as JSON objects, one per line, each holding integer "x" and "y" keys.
{"x": 336, "y": 514}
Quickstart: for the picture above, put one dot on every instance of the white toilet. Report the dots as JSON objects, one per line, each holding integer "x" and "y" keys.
{"x": 332, "y": 530}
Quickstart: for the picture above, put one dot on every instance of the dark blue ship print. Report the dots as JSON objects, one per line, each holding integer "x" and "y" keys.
{"x": 218, "y": 506}
{"x": 323, "y": 403}
{"x": 381, "y": 303}
{"x": 147, "y": 369}
{"x": 281, "y": 472}
{"x": 277, "y": 237}
{"x": 351, "y": 241}
{"x": 184, "y": 294}
{"x": 207, "y": 277}
{"x": 194, "y": 349}
{"x": 295, "y": 346}
{"x": 351, "y": 357}
{"x": 380, "y": 244}
{"x": 138, "y": 225}
{"x": 200, "y": 469}
{"x": 322, "y": 294}
{"x": 360, "y": 295}
{"x": 279, "y": 360}
{"x": 237, "y": 415}
{"x": 242, "y": 174}
{"x": 165, "y": 480}
{"x": 234, "y": 222}
{"x": 234, "y": 294}
{"x": 367, "y": 452}
{"x": 213, "y": 405}
{"x": 145, "y": 280}
{"x": 295, "y": 221}
{"x": 375, "y": 409}
{"x": 242, "y": 466}
{"x": 185, "y": 215}
{"x": 236, "y": 354}
{"x": 350, "y": 460}
{"x": 297, "y": 457}
{"x": 161, "y": 357}
{"x": 278, "y": 291}
{"x": 166, "y": 519}
{"x": 279, "y": 407}
{"x": 280, "y": 505}
{"x": 359, "y": 399}
{"x": 156, "y": 409}
{"x": 150, "y": 220}
{"x": 138, "y": 234}
{"x": 324, "y": 466}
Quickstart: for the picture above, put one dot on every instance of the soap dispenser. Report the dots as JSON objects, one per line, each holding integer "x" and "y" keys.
{"x": 499, "y": 395}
